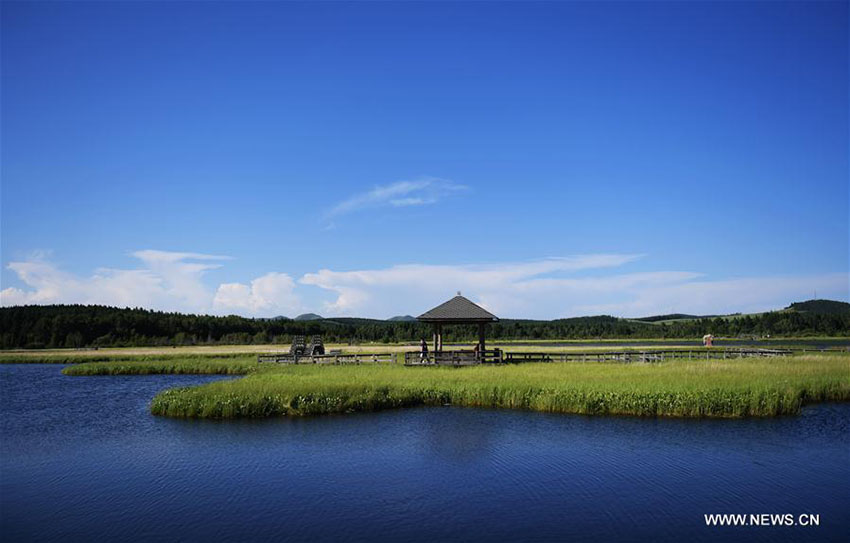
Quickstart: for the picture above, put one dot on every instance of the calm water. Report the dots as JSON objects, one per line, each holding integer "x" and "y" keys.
{"x": 83, "y": 460}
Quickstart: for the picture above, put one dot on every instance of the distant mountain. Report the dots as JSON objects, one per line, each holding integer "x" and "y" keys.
{"x": 821, "y": 307}
{"x": 309, "y": 317}
{"x": 405, "y": 318}
{"x": 816, "y": 307}
{"x": 350, "y": 321}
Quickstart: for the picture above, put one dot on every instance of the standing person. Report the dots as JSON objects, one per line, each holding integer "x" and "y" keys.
{"x": 423, "y": 355}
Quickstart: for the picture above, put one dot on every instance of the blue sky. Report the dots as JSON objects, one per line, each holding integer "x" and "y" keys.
{"x": 370, "y": 159}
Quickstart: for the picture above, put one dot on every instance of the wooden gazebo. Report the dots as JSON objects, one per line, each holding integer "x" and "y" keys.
{"x": 458, "y": 310}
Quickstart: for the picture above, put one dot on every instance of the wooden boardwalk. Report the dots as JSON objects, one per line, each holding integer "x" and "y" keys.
{"x": 461, "y": 358}
{"x": 645, "y": 356}
{"x": 331, "y": 358}
{"x": 453, "y": 358}
{"x": 467, "y": 358}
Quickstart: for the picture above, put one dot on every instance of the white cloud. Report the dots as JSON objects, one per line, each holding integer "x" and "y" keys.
{"x": 744, "y": 295}
{"x": 271, "y": 293}
{"x": 180, "y": 275}
{"x": 50, "y": 285}
{"x": 169, "y": 281}
{"x": 539, "y": 289}
{"x": 407, "y": 288}
{"x": 544, "y": 289}
{"x": 423, "y": 191}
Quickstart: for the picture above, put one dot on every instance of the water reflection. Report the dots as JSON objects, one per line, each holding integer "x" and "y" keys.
{"x": 457, "y": 437}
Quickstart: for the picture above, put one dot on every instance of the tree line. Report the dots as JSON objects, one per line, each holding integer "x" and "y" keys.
{"x": 80, "y": 326}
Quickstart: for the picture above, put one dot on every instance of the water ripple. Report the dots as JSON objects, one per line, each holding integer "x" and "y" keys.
{"x": 82, "y": 458}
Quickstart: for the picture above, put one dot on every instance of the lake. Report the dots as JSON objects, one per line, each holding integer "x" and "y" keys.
{"x": 82, "y": 459}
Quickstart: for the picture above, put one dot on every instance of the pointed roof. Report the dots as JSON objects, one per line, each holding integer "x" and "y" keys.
{"x": 458, "y": 310}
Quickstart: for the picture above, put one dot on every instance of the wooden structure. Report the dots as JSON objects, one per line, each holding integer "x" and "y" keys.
{"x": 300, "y": 348}
{"x": 465, "y": 358}
{"x": 658, "y": 355}
{"x": 458, "y": 310}
{"x": 335, "y": 358}
{"x": 471, "y": 358}
{"x": 461, "y": 357}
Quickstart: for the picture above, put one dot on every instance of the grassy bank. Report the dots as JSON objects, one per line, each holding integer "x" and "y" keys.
{"x": 221, "y": 365}
{"x": 72, "y": 357}
{"x": 721, "y": 388}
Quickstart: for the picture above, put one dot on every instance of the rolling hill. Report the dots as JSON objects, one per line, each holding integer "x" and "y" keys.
{"x": 821, "y": 307}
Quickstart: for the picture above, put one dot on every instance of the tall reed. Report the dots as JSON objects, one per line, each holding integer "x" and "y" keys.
{"x": 717, "y": 388}
{"x": 153, "y": 365}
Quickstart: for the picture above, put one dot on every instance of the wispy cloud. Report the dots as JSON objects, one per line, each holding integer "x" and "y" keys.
{"x": 154, "y": 256}
{"x": 419, "y": 192}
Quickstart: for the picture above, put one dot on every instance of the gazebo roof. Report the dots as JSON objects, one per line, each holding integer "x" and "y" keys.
{"x": 458, "y": 310}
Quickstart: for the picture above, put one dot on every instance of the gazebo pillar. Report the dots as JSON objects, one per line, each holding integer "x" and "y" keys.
{"x": 481, "y": 335}
{"x": 438, "y": 337}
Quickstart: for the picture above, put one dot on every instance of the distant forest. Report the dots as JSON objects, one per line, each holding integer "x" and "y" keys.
{"x": 77, "y": 326}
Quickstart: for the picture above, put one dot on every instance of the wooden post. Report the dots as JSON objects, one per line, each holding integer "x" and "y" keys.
{"x": 481, "y": 346}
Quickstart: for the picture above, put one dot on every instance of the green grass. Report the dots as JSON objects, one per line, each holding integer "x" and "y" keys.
{"x": 73, "y": 358}
{"x": 719, "y": 388}
{"x": 227, "y": 365}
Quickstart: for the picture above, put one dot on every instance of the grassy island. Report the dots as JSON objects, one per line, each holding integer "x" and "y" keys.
{"x": 718, "y": 388}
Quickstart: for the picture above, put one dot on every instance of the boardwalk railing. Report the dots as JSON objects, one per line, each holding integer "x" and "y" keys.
{"x": 468, "y": 358}
{"x": 644, "y": 356}
{"x": 497, "y": 356}
{"x": 332, "y": 358}
{"x": 453, "y": 358}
